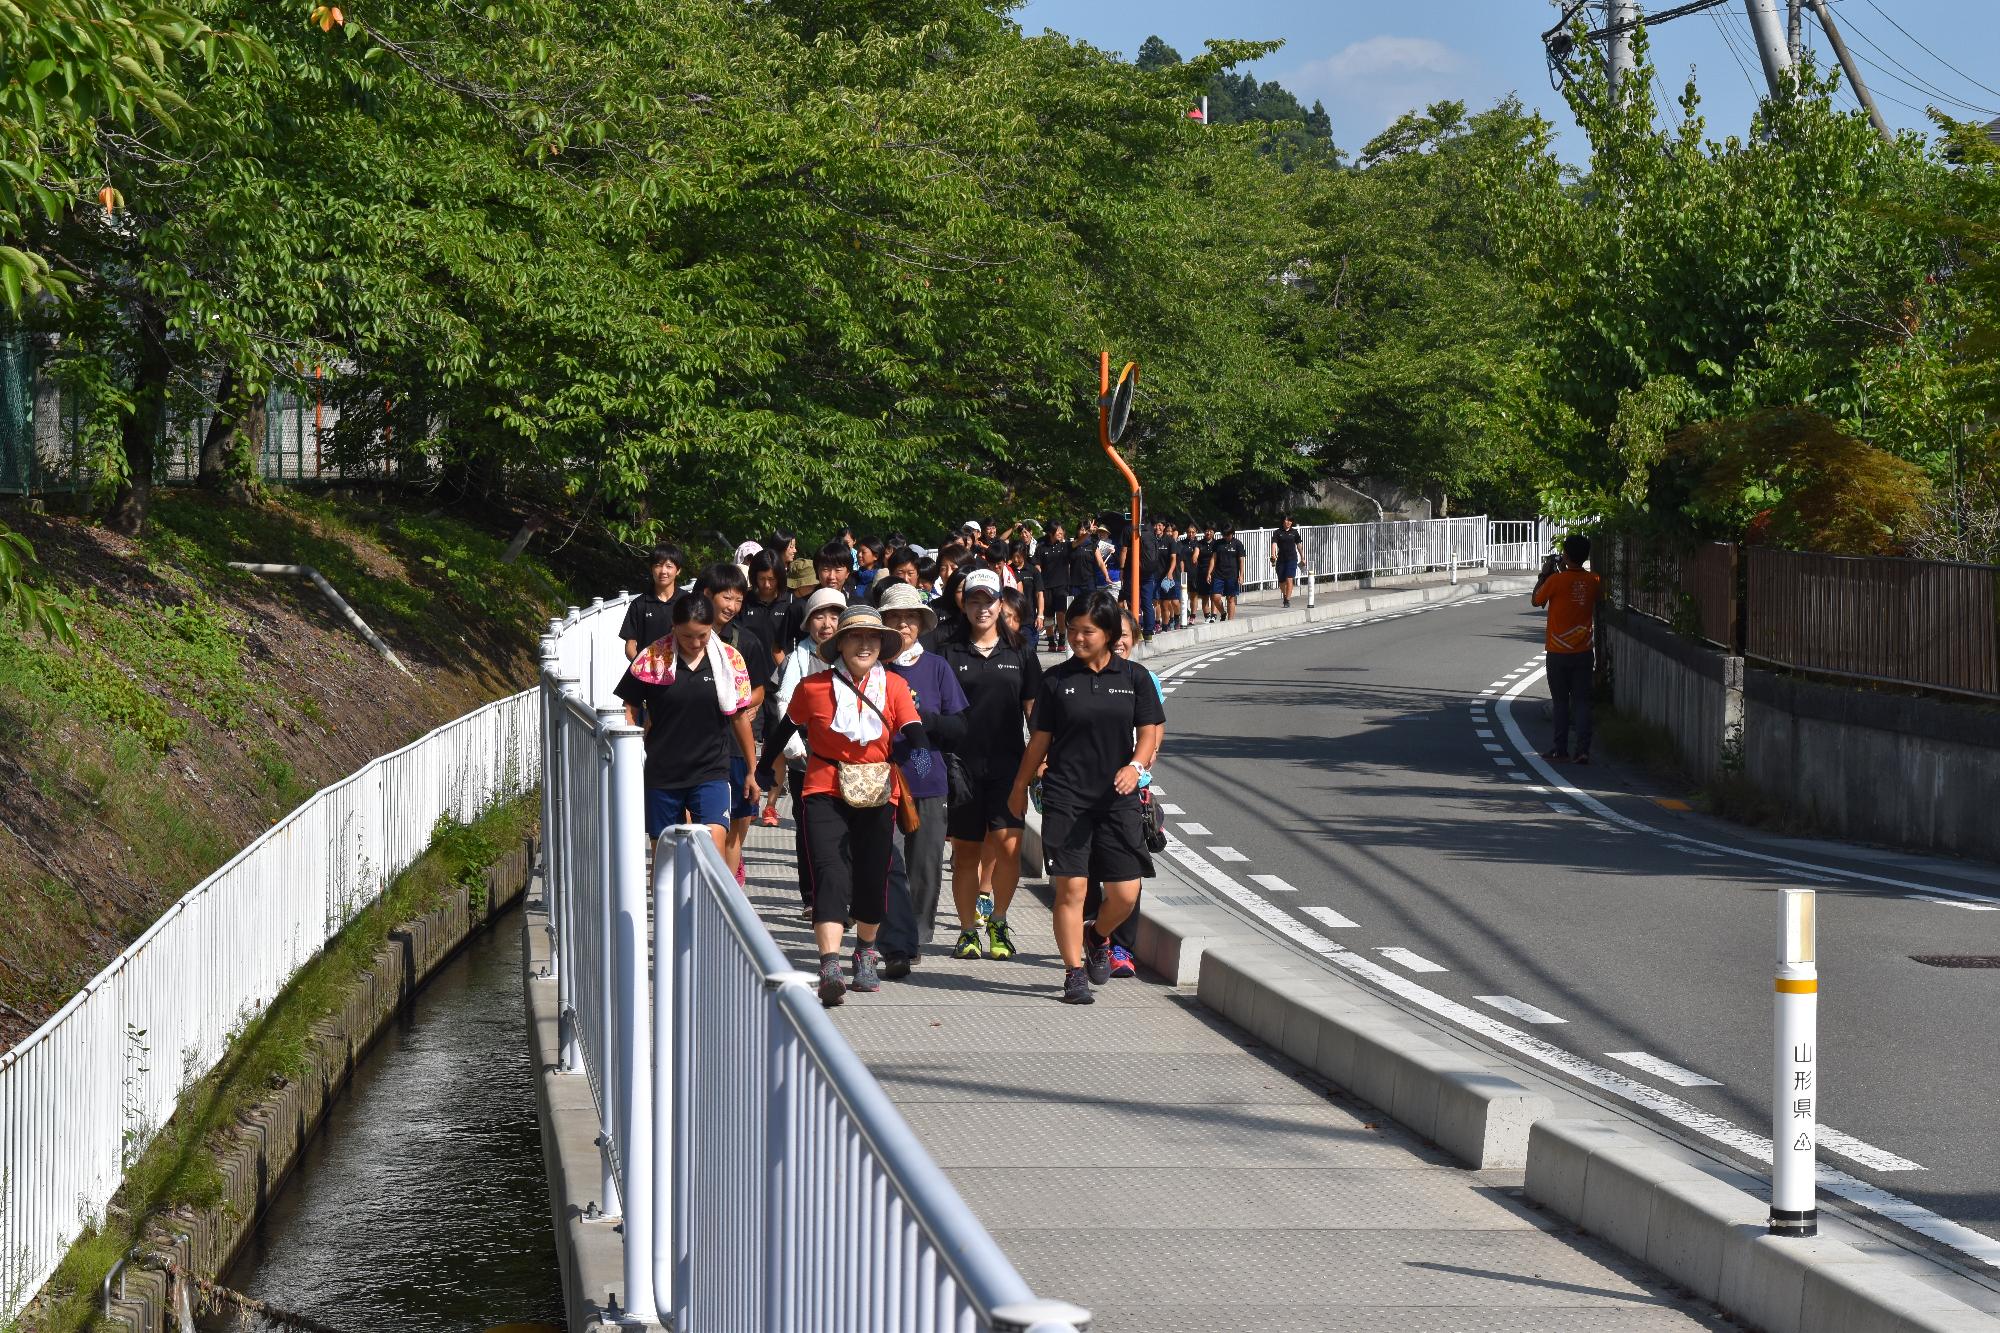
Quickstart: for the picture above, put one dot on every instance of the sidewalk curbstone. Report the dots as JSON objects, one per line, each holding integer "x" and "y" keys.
{"x": 1713, "y": 1239}
{"x": 1466, "y": 1106}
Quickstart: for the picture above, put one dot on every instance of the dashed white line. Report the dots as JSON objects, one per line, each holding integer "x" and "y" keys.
{"x": 1521, "y": 1009}
{"x": 1490, "y": 746}
{"x": 1484, "y": 735}
{"x": 1560, "y": 808}
{"x": 1166, "y": 809}
{"x": 1666, "y": 1069}
{"x": 1975, "y": 1245}
{"x": 1228, "y": 854}
{"x": 1504, "y": 763}
{"x": 1195, "y": 830}
{"x": 1946, "y": 902}
{"x": 1879, "y": 1159}
{"x": 1326, "y": 916}
{"x": 1414, "y": 961}
{"x": 1272, "y": 884}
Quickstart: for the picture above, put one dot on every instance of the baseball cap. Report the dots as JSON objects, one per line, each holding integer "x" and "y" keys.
{"x": 980, "y": 580}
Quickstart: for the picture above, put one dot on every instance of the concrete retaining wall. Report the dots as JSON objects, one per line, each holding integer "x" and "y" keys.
{"x": 1680, "y": 687}
{"x": 266, "y": 1142}
{"x": 1850, "y": 761}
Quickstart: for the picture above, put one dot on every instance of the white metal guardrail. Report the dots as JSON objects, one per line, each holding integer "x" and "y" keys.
{"x": 1518, "y": 545}
{"x": 1380, "y": 550}
{"x": 82, "y": 1095}
{"x": 761, "y": 1176}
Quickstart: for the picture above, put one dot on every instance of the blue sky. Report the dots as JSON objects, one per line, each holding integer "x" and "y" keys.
{"x": 1369, "y": 62}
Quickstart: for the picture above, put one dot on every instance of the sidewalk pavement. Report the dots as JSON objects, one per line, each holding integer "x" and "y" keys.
{"x": 1149, "y": 1161}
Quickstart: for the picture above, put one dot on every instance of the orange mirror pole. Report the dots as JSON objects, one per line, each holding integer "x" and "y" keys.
{"x": 1131, "y": 574}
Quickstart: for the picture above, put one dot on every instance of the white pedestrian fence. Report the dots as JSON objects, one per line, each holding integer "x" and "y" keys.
{"x": 1519, "y": 545}
{"x": 82, "y": 1095}
{"x": 1389, "y": 549}
{"x": 761, "y": 1177}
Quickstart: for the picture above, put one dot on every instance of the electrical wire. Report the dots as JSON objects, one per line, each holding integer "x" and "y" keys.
{"x": 1729, "y": 40}
{"x": 1914, "y": 82}
{"x": 1932, "y": 54}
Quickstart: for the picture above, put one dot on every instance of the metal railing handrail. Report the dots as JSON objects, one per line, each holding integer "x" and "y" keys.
{"x": 634, "y": 1023}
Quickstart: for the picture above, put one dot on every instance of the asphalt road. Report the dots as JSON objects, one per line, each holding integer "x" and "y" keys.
{"x": 1357, "y": 779}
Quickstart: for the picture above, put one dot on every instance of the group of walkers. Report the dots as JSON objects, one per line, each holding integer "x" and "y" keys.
{"x": 898, "y": 695}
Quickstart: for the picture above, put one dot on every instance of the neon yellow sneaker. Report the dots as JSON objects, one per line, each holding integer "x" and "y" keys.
{"x": 999, "y": 939}
{"x": 967, "y": 946}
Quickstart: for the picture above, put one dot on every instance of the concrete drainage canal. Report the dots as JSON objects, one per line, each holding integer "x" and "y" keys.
{"x": 422, "y": 1203}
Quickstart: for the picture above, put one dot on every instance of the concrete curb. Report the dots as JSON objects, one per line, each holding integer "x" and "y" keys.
{"x": 1466, "y": 1105}
{"x": 1666, "y": 1212}
{"x": 1711, "y": 1237}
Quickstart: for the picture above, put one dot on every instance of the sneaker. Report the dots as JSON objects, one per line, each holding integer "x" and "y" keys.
{"x": 895, "y": 966}
{"x": 866, "y": 977}
{"x": 1556, "y": 756}
{"x": 999, "y": 940}
{"x": 967, "y": 946}
{"x": 1582, "y": 756}
{"x": 1076, "y": 988}
{"x": 985, "y": 908}
{"x": 742, "y": 879}
{"x": 1121, "y": 962}
{"x": 832, "y": 990}
{"x": 769, "y": 819}
{"x": 1096, "y": 955}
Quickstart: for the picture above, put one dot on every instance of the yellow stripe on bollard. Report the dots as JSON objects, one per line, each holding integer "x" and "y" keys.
{"x": 1797, "y": 987}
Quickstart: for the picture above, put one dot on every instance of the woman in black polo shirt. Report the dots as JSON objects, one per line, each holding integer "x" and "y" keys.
{"x": 1055, "y": 558}
{"x": 1098, "y": 723}
{"x": 1000, "y": 676}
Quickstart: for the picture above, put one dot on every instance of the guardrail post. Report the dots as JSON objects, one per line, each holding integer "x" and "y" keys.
{"x": 1795, "y": 1091}
{"x": 782, "y": 1125}
{"x": 545, "y": 697}
{"x": 632, "y": 1045}
{"x": 1040, "y": 1317}
{"x": 680, "y": 963}
{"x": 609, "y": 1076}
{"x": 563, "y": 919}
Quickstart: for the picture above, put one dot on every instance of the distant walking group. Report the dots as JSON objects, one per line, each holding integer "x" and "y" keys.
{"x": 897, "y": 695}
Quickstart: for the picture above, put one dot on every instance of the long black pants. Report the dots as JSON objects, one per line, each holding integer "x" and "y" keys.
{"x": 916, "y": 875}
{"x": 847, "y": 853}
{"x": 1569, "y": 690}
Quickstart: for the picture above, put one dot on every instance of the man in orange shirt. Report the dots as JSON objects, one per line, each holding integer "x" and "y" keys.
{"x": 1571, "y": 594}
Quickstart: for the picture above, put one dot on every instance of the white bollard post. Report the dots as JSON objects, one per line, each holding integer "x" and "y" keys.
{"x": 1795, "y": 1086}
{"x": 1312, "y": 588}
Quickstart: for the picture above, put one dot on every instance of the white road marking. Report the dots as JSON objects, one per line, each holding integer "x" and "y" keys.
{"x": 1166, "y": 809}
{"x": 1490, "y": 746}
{"x": 1521, "y": 1009}
{"x": 1867, "y": 1154}
{"x": 1415, "y": 962}
{"x": 1272, "y": 884}
{"x": 1519, "y": 776}
{"x": 1326, "y": 916}
{"x": 1484, "y": 735}
{"x": 1658, "y": 1068}
{"x": 1946, "y": 902}
{"x": 1504, "y": 763}
{"x": 1195, "y": 830}
{"x": 1606, "y": 813}
{"x": 1560, "y": 808}
{"x": 1228, "y": 854}
{"x": 1973, "y": 1244}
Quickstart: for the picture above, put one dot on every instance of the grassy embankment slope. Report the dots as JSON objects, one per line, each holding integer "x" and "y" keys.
{"x": 204, "y": 702}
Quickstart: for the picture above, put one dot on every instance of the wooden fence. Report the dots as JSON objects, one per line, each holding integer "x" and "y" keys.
{"x": 1922, "y": 623}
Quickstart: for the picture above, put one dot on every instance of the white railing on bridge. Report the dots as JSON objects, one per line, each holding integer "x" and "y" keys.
{"x": 1519, "y": 545}
{"x": 761, "y": 1177}
{"x": 82, "y": 1095}
{"x": 1394, "y": 548}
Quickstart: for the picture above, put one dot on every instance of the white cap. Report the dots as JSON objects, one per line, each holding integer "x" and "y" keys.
{"x": 745, "y": 551}
{"x": 970, "y": 525}
{"x": 980, "y": 580}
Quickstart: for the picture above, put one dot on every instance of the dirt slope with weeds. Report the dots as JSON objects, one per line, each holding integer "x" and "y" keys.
{"x": 203, "y": 702}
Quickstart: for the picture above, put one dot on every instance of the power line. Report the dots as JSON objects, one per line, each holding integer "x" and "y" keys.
{"x": 1729, "y": 40}
{"x": 1927, "y": 51}
{"x": 1914, "y": 82}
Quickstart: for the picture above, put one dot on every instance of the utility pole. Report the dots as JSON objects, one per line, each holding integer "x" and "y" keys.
{"x": 1853, "y": 72}
{"x": 1618, "y": 45}
{"x": 1769, "y": 33}
{"x": 1795, "y": 29}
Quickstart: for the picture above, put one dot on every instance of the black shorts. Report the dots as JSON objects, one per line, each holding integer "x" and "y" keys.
{"x": 972, "y": 820}
{"x": 1106, "y": 845}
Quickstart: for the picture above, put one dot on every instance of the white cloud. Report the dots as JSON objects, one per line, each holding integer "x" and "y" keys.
{"x": 1367, "y": 84}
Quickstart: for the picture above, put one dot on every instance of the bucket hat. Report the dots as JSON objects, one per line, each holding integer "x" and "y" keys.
{"x": 861, "y": 617}
{"x": 801, "y": 575}
{"x": 901, "y": 596}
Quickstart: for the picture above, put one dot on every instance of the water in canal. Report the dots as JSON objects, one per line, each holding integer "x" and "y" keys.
{"x": 422, "y": 1204}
